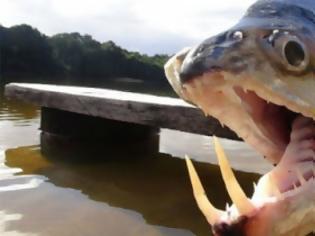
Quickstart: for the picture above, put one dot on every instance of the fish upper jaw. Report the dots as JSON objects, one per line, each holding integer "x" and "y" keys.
{"x": 219, "y": 53}
{"x": 172, "y": 69}
{"x": 215, "y": 95}
{"x": 218, "y": 75}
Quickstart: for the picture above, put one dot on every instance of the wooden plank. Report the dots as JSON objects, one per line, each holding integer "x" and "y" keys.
{"x": 162, "y": 112}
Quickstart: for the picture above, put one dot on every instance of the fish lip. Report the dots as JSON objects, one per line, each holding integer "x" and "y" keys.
{"x": 187, "y": 77}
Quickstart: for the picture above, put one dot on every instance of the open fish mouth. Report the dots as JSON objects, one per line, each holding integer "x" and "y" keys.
{"x": 266, "y": 112}
{"x": 258, "y": 79}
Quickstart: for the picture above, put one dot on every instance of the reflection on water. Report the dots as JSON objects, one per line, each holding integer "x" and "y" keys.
{"x": 156, "y": 187}
{"x": 144, "y": 195}
{"x": 18, "y": 124}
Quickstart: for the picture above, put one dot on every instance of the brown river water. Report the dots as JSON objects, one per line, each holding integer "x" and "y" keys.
{"x": 148, "y": 195}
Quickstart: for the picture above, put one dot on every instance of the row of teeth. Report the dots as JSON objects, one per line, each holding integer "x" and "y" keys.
{"x": 199, "y": 84}
{"x": 303, "y": 182}
{"x": 243, "y": 205}
{"x": 197, "y": 87}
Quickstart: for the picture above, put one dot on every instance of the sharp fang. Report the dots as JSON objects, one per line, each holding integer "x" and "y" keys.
{"x": 277, "y": 192}
{"x": 242, "y": 203}
{"x": 300, "y": 176}
{"x": 275, "y": 189}
{"x": 210, "y": 212}
{"x": 255, "y": 186}
{"x": 227, "y": 207}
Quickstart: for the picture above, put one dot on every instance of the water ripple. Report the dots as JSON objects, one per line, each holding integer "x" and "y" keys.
{"x": 30, "y": 184}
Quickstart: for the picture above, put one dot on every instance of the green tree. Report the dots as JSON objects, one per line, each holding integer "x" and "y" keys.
{"x": 74, "y": 58}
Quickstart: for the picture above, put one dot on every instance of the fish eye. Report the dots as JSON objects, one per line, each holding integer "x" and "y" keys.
{"x": 293, "y": 52}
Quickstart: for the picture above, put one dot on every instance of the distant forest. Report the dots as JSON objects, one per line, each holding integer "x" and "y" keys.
{"x": 27, "y": 55}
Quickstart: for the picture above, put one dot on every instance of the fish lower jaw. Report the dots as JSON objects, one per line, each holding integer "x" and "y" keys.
{"x": 290, "y": 214}
{"x": 275, "y": 213}
{"x": 271, "y": 211}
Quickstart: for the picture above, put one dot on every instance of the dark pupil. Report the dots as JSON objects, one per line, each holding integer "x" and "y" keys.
{"x": 294, "y": 53}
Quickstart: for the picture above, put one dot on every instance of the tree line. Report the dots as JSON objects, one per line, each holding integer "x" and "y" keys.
{"x": 71, "y": 58}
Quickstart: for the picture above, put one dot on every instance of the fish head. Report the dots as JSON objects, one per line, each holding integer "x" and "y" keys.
{"x": 257, "y": 78}
{"x": 254, "y": 78}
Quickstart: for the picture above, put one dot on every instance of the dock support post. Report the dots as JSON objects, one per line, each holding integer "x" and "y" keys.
{"x": 75, "y": 135}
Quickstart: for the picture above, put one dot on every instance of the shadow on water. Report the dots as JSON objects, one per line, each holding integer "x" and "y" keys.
{"x": 155, "y": 185}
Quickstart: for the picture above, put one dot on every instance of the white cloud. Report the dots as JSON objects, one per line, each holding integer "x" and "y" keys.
{"x": 145, "y": 25}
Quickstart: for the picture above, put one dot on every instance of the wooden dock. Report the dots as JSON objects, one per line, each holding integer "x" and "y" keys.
{"x": 101, "y": 113}
{"x": 148, "y": 110}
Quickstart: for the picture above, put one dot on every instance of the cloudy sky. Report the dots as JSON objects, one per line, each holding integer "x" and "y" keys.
{"x": 148, "y": 26}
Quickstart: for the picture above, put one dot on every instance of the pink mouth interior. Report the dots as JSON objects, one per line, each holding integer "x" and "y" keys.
{"x": 274, "y": 121}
